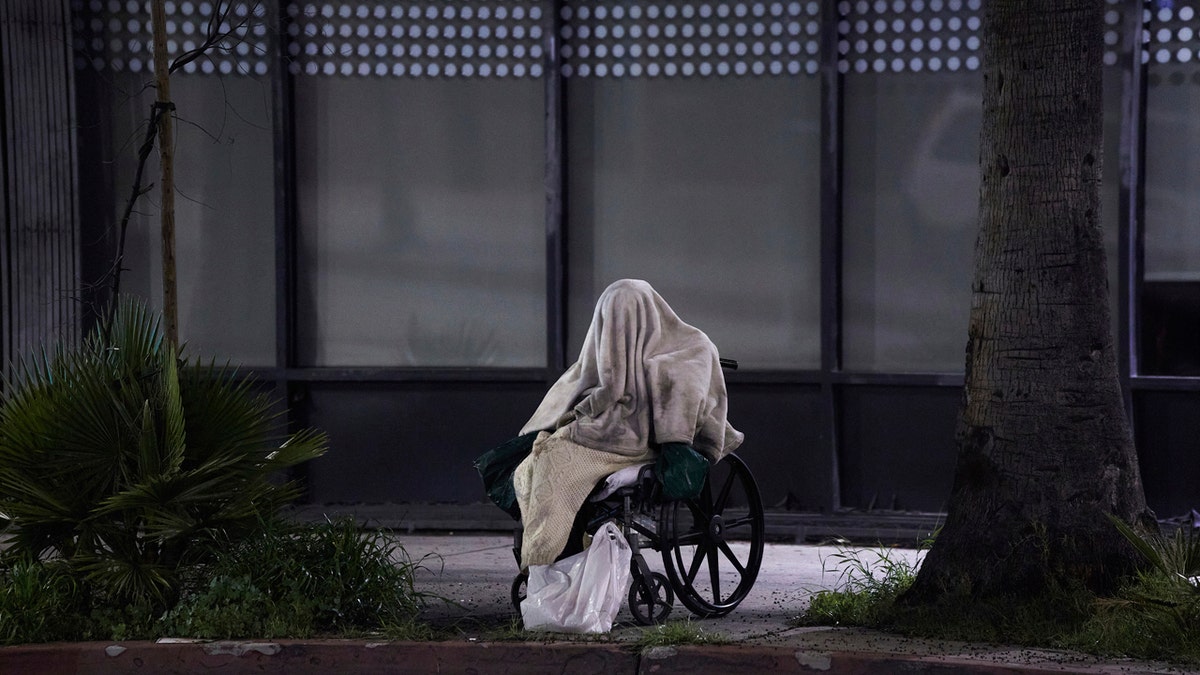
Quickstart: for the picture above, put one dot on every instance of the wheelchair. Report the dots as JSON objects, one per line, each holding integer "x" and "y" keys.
{"x": 711, "y": 546}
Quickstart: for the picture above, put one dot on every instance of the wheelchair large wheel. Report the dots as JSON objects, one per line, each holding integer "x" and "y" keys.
{"x": 712, "y": 545}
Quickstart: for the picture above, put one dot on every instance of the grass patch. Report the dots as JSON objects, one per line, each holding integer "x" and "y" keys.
{"x": 412, "y": 630}
{"x": 39, "y": 602}
{"x": 298, "y": 581}
{"x": 869, "y": 581}
{"x": 1047, "y": 620}
{"x": 676, "y": 633}
{"x": 512, "y": 631}
{"x": 47, "y": 601}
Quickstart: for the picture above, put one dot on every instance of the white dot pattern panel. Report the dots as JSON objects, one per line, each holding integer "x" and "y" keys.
{"x": 881, "y": 36}
{"x": 1114, "y": 20}
{"x": 485, "y": 38}
{"x": 118, "y": 35}
{"x": 928, "y": 35}
{"x": 616, "y": 39}
{"x": 1171, "y": 33}
{"x": 597, "y": 38}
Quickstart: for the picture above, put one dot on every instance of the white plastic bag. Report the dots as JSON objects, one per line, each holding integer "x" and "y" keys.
{"x": 581, "y": 593}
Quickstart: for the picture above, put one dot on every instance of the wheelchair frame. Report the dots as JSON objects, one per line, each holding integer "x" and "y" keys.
{"x": 692, "y": 536}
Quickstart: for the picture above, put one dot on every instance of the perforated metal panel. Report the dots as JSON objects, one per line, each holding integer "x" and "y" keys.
{"x": 117, "y": 34}
{"x": 686, "y": 39}
{"x": 1113, "y": 22}
{"x": 490, "y": 38}
{"x": 598, "y": 38}
{"x": 1172, "y": 32}
{"x": 909, "y": 35}
{"x": 929, "y": 35}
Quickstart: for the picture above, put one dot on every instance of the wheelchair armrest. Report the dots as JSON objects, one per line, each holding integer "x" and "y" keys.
{"x": 648, "y": 485}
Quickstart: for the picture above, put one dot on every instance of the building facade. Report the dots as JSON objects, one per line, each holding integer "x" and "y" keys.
{"x": 399, "y": 215}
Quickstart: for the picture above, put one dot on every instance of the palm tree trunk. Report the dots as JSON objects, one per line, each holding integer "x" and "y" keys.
{"x": 1044, "y": 446}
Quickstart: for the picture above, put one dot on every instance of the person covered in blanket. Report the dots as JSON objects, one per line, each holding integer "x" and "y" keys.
{"x": 644, "y": 380}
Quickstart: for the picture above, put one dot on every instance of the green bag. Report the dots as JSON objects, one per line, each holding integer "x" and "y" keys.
{"x": 681, "y": 470}
{"x": 496, "y": 468}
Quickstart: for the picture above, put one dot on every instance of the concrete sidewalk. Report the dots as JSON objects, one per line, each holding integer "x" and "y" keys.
{"x": 474, "y": 573}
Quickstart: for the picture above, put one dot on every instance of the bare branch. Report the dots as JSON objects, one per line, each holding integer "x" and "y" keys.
{"x": 135, "y": 192}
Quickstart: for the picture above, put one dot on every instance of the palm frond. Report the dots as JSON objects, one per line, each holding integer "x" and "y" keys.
{"x": 128, "y": 577}
{"x": 1141, "y": 544}
{"x": 302, "y": 446}
{"x": 1178, "y": 557}
{"x": 25, "y": 497}
{"x": 174, "y": 436}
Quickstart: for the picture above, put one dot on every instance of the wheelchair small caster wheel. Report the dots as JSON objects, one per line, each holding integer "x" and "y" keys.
{"x": 650, "y": 600}
{"x": 519, "y": 589}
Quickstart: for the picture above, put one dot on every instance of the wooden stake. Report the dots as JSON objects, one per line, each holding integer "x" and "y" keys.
{"x": 166, "y": 150}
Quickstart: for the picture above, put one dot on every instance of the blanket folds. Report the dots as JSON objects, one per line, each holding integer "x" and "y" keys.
{"x": 643, "y": 378}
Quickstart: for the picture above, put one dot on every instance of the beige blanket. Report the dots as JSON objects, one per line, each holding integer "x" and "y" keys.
{"x": 643, "y": 378}
{"x": 551, "y": 486}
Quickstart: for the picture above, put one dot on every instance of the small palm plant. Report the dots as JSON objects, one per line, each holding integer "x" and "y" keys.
{"x": 129, "y": 463}
{"x": 1171, "y": 588}
{"x": 1177, "y": 558}
{"x": 1156, "y": 615}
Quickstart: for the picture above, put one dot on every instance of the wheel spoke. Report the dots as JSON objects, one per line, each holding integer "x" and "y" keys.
{"x": 745, "y": 520}
{"x": 697, "y": 558}
{"x": 698, "y": 510}
{"x": 719, "y": 506}
{"x": 690, "y": 539}
{"x": 646, "y": 593}
{"x": 732, "y": 558}
{"x": 705, "y": 498}
{"x": 714, "y": 573}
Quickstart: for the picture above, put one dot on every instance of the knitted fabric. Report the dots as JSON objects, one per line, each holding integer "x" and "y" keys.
{"x": 551, "y": 485}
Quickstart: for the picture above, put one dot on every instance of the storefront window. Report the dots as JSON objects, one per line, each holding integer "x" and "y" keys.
{"x": 1170, "y": 299}
{"x": 913, "y": 107}
{"x": 420, "y": 187}
{"x": 694, "y": 149}
{"x": 911, "y": 209}
{"x": 224, "y": 173}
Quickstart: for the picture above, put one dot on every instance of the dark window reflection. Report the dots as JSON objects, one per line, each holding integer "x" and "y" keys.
{"x": 1170, "y": 328}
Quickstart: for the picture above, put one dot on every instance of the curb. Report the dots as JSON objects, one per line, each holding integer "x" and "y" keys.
{"x": 524, "y": 658}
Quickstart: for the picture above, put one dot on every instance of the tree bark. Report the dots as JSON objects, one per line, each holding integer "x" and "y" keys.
{"x": 1044, "y": 446}
{"x": 166, "y": 150}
